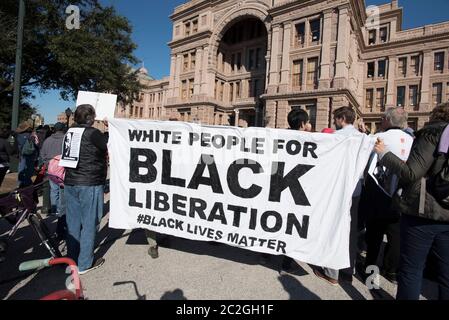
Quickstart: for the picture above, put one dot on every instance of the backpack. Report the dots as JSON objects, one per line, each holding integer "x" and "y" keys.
{"x": 55, "y": 172}
{"x": 29, "y": 147}
{"x": 438, "y": 184}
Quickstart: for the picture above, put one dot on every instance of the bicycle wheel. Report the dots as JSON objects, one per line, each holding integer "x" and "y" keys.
{"x": 44, "y": 235}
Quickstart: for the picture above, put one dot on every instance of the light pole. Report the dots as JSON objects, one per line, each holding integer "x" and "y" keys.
{"x": 68, "y": 113}
{"x": 18, "y": 71}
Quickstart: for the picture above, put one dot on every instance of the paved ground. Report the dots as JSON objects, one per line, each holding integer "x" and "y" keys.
{"x": 185, "y": 270}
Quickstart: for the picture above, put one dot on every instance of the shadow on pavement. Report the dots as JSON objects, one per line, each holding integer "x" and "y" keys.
{"x": 177, "y": 295}
{"x": 295, "y": 288}
{"x": 133, "y": 283}
{"x": 23, "y": 246}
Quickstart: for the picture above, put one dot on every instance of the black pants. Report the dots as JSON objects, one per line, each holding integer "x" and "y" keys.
{"x": 376, "y": 229}
{"x": 3, "y": 171}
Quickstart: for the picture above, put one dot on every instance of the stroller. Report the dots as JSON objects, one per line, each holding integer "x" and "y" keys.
{"x": 20, "y": 206}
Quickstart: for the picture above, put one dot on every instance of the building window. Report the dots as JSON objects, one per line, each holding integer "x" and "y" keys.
{"x": 192, "y": 61}
{"x": 191, "y": 81}
{"x": 401, "y": 97}
{"x": 186, "y": 63}
{"x": 372, "y": 37}
{"x": 257, "y": 88}
{"x": 383, "y": 34}
{"x": 259, "y": 58}
{"x": 194, "y": 26}
{"x": 312, "y": 74}
{"x": 315, "y": 31}
{"x": 439, "y": 62}
{"x": 251, "y": 59}
{"x": 380, "y": 98}
{"x": 184, "y": 90}
{"x": 250, "y": 89}
{"x": 141, "y": 112}
{"x": 371, "y": 67}
{"x": 297, "y": 73}
{"x": 437, "y": 93}
{"x": 382, "y": 67}
{"x": 413, "y": 96}
{"x": 403, "y": 67}
{"x": 221, "y": 91}
{"x": 238, "y": 86}
{"x": 233, "y": 62}
{"x": 369, "y": 98}
{"x": 300, "y": 34}
{"x": 239, "y": 61}
{"x": 415, "y": 65}
{"x": 187, "y": 29}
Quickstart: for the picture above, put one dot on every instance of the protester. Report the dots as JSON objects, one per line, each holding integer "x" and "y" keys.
{"x": 381, "y": 218}
{"x": 52, "y": 148}
{"x": 298, "y": 119}
{"x": 84, "y": 192}
{"x": 27, "y": 143}
{"x": 424, "y": 221}
{"x": 6, "y": 150}
{"x": 344, "y": 119}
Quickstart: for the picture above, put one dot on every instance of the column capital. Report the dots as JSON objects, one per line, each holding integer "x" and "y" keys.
{"x": 344, "y": 8}
{"x": 328, "y": 13}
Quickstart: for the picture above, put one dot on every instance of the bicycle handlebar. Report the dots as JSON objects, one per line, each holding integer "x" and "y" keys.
{"x": 34, "y": 264}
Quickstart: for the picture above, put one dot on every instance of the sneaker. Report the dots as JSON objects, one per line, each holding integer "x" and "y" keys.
{"x": 322, "y": 276}
{"x": 97, "y": 264}
{"x": 153, "y": 252}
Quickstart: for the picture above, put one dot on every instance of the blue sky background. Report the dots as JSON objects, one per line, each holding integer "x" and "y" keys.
{"x": 153, "y": 30}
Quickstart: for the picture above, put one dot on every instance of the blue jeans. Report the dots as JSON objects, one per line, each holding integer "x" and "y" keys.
{"x": 57, "y": 199}
{"x": 419, "y": 237}
{"x": 84, "y": 210}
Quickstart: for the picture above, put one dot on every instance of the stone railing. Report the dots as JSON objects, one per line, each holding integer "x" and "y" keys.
{"x": 423, "y": 31}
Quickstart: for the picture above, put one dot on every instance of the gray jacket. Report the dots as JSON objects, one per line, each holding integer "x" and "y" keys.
{"x": 52, "y": 147}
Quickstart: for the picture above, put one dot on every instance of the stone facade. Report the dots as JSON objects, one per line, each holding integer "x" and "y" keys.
{"x": 249, "y": 62}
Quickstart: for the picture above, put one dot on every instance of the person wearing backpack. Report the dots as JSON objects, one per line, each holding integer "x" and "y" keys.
{"x": 28, "y": 152}
{"x": 50, "y": 154}
{"x": 425, "y": 218}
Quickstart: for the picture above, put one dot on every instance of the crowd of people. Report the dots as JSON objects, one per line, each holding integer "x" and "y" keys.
{"x": 395, "y": 196}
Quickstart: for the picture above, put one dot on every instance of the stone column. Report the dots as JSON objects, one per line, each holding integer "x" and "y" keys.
{"x": 270, "y": 114}
{"x": 285, "y": 71}
{"x": 172, "y": 76}
{"x": 282, "y": 114}
{"x": 426, "y": 103}
{"x": 342, "y": 61}
{"x": 198, "y": 67}
{"x": 205, "y": 66}
{"x": 176, "y": 88}
{"x": 274, "y": 67}
{"x": 322, "y": 114}
{"x": 392, "y": 65}
{"x": 237, "y": 117}
{"x": 326, "y": 51}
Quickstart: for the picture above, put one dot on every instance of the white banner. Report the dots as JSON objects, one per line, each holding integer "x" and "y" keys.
{"x": 103, "y": 103}
{"x": 274, "y": 191}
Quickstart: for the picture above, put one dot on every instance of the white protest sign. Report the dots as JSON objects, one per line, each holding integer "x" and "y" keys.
{"x": 103, "y": 103}
{"x": 280, "y": 192}
{"x": 71, "y": 148}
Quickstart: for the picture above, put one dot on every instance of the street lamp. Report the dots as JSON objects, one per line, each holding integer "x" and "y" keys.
{"x": 68, "y": 113}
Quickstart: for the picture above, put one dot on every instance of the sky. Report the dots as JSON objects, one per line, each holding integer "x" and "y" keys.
{"x": 152, "y": 30}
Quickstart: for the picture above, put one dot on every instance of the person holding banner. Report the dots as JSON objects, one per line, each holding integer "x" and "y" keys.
{"x": 380, "y": 187}
{"x": 424, "y": 213}
{"x": 85, "y": 177}
{"x": 344, "y": 119}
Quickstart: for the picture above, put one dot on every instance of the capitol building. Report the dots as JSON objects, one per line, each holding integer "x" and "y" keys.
{"x": 250, "y": 62}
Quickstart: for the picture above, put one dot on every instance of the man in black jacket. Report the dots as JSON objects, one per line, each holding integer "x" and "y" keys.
{"x": 84, "y": 192}
{"x": 424, "y": 222}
